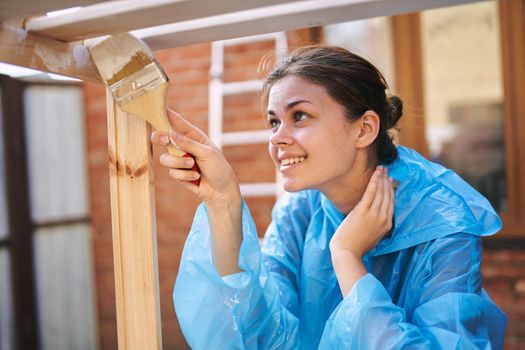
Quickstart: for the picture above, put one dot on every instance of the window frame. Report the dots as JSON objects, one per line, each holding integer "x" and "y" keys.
{"x": 406, "y": 36}
{"x": 19, "y": 239}
{"x": 20, "y": 245}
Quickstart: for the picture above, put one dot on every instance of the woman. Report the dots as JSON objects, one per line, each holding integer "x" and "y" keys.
{"x": 333, "y": 271}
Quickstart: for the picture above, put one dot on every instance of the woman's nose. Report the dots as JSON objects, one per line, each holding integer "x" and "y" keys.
{"x": 282, "y": 136}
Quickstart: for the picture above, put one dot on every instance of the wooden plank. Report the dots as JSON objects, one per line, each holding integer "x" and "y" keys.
{"x": 409, "y": 81}
{"x": 120, "y": 16}
{"x": 48, "y": 55}
{"x": 19, "y": 9}
{"x": 512, "y": 24}
{"x": 133, "y": 225}
{"x": 270, "y": 19}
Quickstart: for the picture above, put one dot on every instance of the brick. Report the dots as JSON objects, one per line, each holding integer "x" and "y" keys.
{"x": 519, "y": 287}
{"x": 104, "y": 254}
{"x": 503, "y": 272}
{"x": 108, "y": 335}
{"x": 261, "y": 210}
{"x": 500, "y": 292}
{"x": 251, "y": 163}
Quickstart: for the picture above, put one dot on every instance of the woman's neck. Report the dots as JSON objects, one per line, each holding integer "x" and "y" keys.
{"x": 348, "y": 191}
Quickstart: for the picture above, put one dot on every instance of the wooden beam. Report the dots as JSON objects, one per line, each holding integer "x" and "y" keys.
{"x": 122, "y": 16}
{"x": 406, "y": 38}
{"x": 134, "y": 232}
{"x": 270, "y": 19}
{"x": 512, "y": 38}
{"x": 48, "y": 55}
{"x": 19, "y": 9}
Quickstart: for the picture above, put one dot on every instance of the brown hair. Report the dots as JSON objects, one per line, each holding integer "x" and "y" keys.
{"x": 349, "y": 79}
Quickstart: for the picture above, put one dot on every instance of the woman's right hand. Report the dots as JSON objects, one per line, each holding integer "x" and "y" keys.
{"x": 218, "y": 182}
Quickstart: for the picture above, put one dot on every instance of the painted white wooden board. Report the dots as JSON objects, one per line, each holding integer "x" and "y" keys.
{"x": 120, "y": 16}
{"x": 20, "y": 9}
{"x": 268, "y": 19}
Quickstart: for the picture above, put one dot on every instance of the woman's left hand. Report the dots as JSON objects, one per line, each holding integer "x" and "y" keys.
{"x": 369, "y": 221}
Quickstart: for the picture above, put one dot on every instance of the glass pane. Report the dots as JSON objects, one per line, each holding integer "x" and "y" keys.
{"x": 56, "y": 152}
{"x": 6, "y": 303}
{"x": 64, "y": 285}
{"x": 3, "y": 195}
{"x": 369, "y": 38}
{"x": 464, "y": 95}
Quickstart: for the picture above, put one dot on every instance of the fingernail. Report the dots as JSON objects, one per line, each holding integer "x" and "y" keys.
{"x": 164, "y": 139}
{"x": 379, "y": 167}
{"x": 189, "y": 162}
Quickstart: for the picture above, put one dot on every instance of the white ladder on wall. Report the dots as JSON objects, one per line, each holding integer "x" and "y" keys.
{"x": 219, "y": 89}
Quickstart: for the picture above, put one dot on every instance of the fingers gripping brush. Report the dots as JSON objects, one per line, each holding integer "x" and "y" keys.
{"x": 136, "y": 81}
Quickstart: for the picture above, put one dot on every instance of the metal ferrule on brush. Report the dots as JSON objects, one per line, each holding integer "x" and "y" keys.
{"x": 137, "y": 84}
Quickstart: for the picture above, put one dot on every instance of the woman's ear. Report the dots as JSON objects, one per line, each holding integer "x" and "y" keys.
{"x": 368, "y": 129}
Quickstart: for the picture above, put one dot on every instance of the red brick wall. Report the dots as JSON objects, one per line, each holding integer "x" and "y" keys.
{"x": 504, "y": 280}
{"x": 188, "y": 69}
{"x": 97, "y": 141}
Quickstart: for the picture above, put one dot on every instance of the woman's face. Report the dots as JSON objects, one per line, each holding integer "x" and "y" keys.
{"x": 313, "y": 143}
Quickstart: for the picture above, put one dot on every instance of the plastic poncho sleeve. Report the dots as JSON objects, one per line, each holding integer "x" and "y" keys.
{"x": 447, "y": 308}
{"x": 253, "y": 309}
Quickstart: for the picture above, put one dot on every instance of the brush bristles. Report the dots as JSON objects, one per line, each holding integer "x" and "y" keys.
{"x": 135, "y": 63}
{"x": 119, "y": 56}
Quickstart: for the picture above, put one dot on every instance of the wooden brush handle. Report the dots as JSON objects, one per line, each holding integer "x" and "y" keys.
{"x": 152, "y": 108}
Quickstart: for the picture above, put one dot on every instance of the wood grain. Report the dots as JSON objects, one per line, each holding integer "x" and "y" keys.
{"x": 23, "y": 49}
{"x": 512, "y": 26}
{"x": 134, "y": 231}
{"x": 409, "y": 85}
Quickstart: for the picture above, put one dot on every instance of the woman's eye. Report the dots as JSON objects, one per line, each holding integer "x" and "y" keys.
{"x": 274, "y": 124}
{"x": 300, "y": 116}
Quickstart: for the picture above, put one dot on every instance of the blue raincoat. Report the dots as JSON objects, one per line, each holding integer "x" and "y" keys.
{"x": 423, "y": 288}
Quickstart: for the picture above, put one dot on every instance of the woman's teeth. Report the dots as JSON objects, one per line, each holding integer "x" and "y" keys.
{"x": 292, "y": 160}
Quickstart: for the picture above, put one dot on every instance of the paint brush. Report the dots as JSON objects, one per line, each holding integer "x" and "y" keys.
{"x": 136, "y": 81}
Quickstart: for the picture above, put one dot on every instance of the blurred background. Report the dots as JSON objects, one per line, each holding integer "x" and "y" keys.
{"x": 455, "y": 68}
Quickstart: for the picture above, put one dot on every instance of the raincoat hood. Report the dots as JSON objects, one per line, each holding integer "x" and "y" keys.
{"x": 430, "y": 202}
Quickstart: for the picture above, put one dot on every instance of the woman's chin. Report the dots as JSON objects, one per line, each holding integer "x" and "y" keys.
{"x": 292, "y": 186}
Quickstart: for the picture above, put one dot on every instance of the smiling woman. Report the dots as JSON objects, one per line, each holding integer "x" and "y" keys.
{"x": 338, "y": 269}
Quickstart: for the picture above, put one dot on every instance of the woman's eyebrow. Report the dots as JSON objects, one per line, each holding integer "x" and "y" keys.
{"x": 290, "y": 106}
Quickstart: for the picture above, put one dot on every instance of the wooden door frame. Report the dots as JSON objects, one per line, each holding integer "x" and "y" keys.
{"x": 20, "y": 228}
{"x": 406, "y": 39}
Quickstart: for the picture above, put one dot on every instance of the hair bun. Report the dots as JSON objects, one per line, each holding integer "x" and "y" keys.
{"x": 395, "y": 111}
